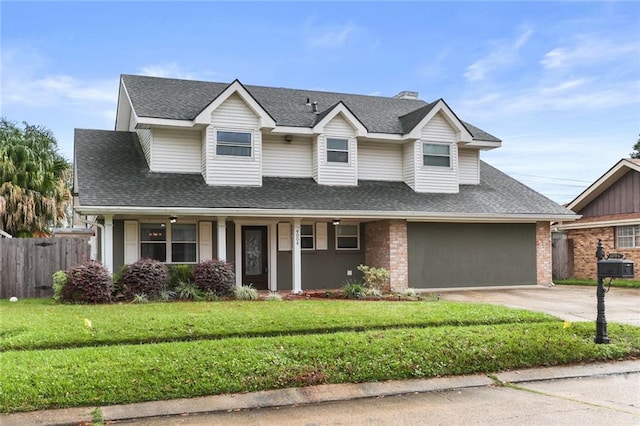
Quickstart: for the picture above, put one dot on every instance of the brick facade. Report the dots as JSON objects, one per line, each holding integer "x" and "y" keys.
{"x": 386, "y": 247}
{"x": 543, "y": 253}
{"x": 585, "y": 242}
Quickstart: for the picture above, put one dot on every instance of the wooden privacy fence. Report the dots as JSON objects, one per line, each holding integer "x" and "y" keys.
{"x": 26, "y": 264}
{"x": 562, "y": 259}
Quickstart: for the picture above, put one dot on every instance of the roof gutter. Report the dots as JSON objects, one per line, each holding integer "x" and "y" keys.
{"x": 411, "y": 216}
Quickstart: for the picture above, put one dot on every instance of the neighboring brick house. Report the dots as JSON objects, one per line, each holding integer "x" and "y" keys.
{"x": 610, "y": 210}
{"x": 298, "y": 187}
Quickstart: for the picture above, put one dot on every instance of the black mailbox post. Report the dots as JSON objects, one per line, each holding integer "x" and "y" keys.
{"x": 612, "y": 267}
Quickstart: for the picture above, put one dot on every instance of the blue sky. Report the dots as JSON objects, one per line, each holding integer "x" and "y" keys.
{"x": 558, "y": 82}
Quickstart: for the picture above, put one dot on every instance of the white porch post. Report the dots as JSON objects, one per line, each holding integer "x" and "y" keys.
{"x": 107, "y": 256}
{"x": 238, "y": 261}
{"x": 273, "y": 257}
{"x": 296, "y": 258}
{"x": 222, "y": 238}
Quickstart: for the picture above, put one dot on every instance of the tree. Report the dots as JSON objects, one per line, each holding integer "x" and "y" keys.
{"x": 636, "y": 149}
{"x": 34, "y": 180}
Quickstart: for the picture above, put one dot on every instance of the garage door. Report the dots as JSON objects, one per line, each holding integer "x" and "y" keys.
{"x": 471, "y": 255}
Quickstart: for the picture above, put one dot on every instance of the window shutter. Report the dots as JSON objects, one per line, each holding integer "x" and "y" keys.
{"x": 284, "y": 237}
{"x": 205, "y": 240}
{"x": 131, "y": 243}
{"x": 321, "y": 235}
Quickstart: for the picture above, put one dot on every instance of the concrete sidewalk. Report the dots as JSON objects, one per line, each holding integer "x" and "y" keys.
{"x": 312, "y": 395}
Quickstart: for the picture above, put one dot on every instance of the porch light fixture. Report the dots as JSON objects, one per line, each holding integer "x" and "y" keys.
{"x": 173, "y": 219}
{"x": 335, "y": 222}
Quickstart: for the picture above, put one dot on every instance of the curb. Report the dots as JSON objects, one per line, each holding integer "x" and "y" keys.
{"x": 309, "y": 395}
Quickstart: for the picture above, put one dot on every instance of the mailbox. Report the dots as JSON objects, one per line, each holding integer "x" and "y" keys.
{"x": 615, "y": 268}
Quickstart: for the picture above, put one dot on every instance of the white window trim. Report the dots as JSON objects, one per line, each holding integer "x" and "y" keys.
{"x": 234, "y": 157}
{"x": 169, "y": 241}
{"x": 633, "y": 237}
{"x": 424, "y": 154}
{"x": 348, "y": 151}
{"x": 357, "y": 225}
{"x": 312, "y": 235}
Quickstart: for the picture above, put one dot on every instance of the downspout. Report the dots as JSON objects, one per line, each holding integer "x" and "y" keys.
{"x": 99, "y": 225}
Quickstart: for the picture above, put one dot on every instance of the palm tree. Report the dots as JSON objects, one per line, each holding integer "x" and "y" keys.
{"x": 34, "y": 180}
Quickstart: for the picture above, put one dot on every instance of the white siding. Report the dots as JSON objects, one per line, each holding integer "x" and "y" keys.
{"x": 234, "y": 115}
{"x": 314, "y": 158}
{"x": 132, "y": 121}
{"x": 469, "y": 166}
{"x": 338, "y": 173}
{"x": 176, "y": 151}
{"x": 379, "y": 161}
{"x": 145, "y": 136}
{"x": 204, "y": 153}
{"x": 409, "y": 164}
{"x": 286, "y": 159}
{"x": 438, "y": 130}
{"x": 437, "y": 179}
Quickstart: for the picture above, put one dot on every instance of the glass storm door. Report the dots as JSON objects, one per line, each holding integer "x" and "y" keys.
{"x": 254, "y": 257}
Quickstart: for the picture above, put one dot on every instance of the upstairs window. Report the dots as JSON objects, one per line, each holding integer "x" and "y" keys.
{"x": 233, "y": 143}
{"x": 337, "y": 150}
{"x": 436, "y": 155}
{"x": 628, "y": 236}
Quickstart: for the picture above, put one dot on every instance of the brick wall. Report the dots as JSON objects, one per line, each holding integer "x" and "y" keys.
{"x": 543, "y": 253}
{"x": 386, "y": 247}
{"x": 585, "y": 243}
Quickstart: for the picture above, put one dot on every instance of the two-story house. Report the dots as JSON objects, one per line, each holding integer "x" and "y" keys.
{"x": 298, "y": 187}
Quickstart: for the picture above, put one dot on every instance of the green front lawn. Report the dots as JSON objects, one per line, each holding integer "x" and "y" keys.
{"x": 222, "y": 347}
{"x": 615, "y": 283}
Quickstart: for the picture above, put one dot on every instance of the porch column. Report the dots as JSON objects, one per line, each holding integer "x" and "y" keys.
{"x": 222, "y": 238}
{"x": 238, "y": 261}
{"x": 296, "y": 258}
{"x": 273, "y": 257}
{"x": 107, "y": 256}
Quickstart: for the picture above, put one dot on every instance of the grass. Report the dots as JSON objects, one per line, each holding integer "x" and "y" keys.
{"x": 299, "y": 343}
{"x": 615, "y": 283}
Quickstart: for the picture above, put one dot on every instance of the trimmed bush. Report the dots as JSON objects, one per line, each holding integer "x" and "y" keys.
{"x": 375, "y": 278}
{"x": 89, "y": 282}
{"x": 59, "y": 281}
{"x": 216, "y": 276}
{"x": 146, "y": 276}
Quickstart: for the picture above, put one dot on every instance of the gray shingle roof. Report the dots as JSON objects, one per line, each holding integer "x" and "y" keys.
{"x": 184, "y": 99}
{"x": 112, "y": 171}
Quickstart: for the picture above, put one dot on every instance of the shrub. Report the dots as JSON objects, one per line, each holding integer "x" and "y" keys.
{"x": 273, "y": 297}
{"x": 146, "y": 276}
{"x": 354, "y": 290}
{"x": 179, "y": 273}
{"x": 374, "y": 292}
{"x": 187, "y": 290}
{"x": 89, "y": 282}
{"x": 245, "y": 292}
{"x": 166, "y": 295}
{"x": 59, "y": 281}
{"x": 410, "y": 292}
{"x": 215, "y": 275}
{"x": 140, "y": 298}
{"x": 377, "y": 278}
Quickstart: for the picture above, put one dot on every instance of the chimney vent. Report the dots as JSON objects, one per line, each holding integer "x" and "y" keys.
{"x": 407, "y": 94}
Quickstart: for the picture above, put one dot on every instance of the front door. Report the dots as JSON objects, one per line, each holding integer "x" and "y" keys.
{"x": 254, "y": 257}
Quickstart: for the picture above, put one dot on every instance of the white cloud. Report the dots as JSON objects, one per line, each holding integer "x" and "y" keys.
{"x": 168, "y": 70}
{"x": 333, "y": 37}
{"x": 589, "y": 50}
{"x": 504, "y": 53}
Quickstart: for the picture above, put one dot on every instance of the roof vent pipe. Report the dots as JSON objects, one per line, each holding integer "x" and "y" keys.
{"x": 308, "y": 101}
{"x": 406, "y": 94}
{"x": 314, "y": 106}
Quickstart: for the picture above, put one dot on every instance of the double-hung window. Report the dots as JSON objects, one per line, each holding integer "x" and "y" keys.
{"x": 171, "y": 243}
{"x": 233, "y": 143}
{"x": 347, "y": 237}
{"x": 337, "y": 150}
{"x": 307, "y": 239}
{"x": 434, "y": 154}
{"x": 628, "y": 236}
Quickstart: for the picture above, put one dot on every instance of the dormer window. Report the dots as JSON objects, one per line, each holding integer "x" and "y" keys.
{"x": 434, "y": 154}
{"x": 337, "y": 150}
{"x": 233, "y": 143}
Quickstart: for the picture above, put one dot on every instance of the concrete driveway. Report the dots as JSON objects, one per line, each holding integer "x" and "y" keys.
{"x": 571, "y": 303}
